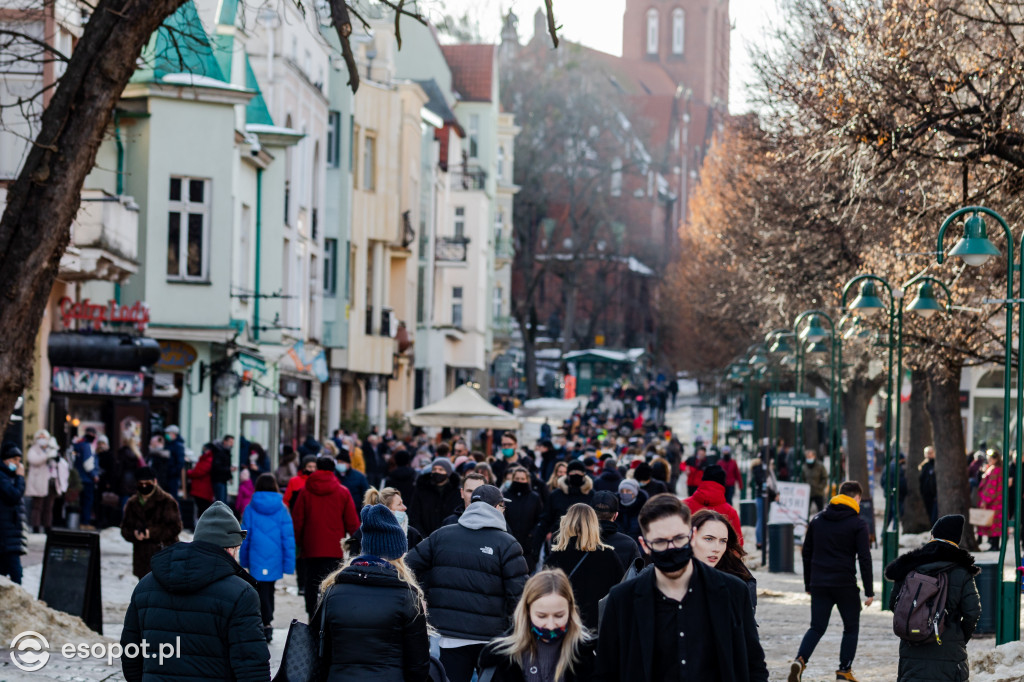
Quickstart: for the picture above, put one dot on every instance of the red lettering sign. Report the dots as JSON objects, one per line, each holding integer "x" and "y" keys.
{"x": 97, "y": 315}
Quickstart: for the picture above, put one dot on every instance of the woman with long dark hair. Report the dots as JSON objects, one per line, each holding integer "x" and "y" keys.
{"x": 716, "y": 544}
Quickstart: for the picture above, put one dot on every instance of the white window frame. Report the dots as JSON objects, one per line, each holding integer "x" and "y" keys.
{"x": 473, "y": 135}
{"x": 457, "y": 307}
{"x": 497, "y": 303}
{"x": 652, "y": 31}
{"x": 459, "y": 223}
{"x": 501, "y": 162}
{"x": 334, "y": 139}
{"x": 330, "y": 267}
{"x": 185, "y": 209}
{"x": 678, "y": 31}
{"x": 370, "y": 161}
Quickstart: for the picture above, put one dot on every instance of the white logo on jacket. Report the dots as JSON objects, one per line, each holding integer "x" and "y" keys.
{"x": 487, "y": 550}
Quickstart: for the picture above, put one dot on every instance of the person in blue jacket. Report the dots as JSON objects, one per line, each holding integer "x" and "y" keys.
{"x": 268, "y": 550}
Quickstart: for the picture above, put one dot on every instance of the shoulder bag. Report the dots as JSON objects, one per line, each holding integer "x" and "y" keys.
{"x": 302, "y": 654}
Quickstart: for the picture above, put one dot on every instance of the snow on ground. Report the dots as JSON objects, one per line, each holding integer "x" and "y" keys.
{"x": 999, "y": 664}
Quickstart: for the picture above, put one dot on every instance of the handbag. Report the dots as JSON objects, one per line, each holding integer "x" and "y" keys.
{"x": 981, "y": 517}
{"x": 301, "y": 659}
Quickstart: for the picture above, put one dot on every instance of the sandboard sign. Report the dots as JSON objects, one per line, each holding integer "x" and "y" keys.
{"x": 792, "y": 506}
{"x": 71, "y": 575}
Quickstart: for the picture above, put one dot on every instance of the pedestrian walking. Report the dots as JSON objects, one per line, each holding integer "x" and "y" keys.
{"x": 129, "y": 460}
{"x": 682, "y": 620}
{"x": 437, "y": 496}
{"x": 928, "y": 485}
{"x": 298, "y": 481}
{"x": 592, "y": 567}
{"x": 573, "y": 488}
{"x": 470, "y": 482}
{"x": 287, "y": 467}
{"x": 711, "y": 495}
{"x": 268, "y": 550}
{"x": 176, "y": 467}
{"x": 87, "y": 466}
{"x": 990, "y": 496}
{"x": 388, "y": 640}
{"x": 733, "y": 477}
{"x": 523, "y": 513}
{"x": 12, "y": 511}
{"x": 695, "y": 466}
{"x": 246, "y": 488}
{"x": 548, "y": 642}
{"x": 392, "y": 499}
{"x": 835, "y": 541}
{"x": 651, "y": 486}
{"x": 933, "y": 660}
{"x": 41, "y": 480}
{"x": 221, "y": 469}
{"x": 151, "y": 521}
{"x": 631, "y": 500}
{"x": 323, "y": 515}
{"x": 716, "y": 544}
{"x": 403, "y": 477}
{"x": 197, "y": 598}
{"x": 202, "y": 483}
{"x": 606, "y": 506}
{"x": 559, "y": 470}
{"x": 814, "y": 475}
{"x": 473, "y": 574}
{"x": 349, "y": 477}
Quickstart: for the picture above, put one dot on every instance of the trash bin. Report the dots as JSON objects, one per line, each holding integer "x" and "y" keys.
{"x": 988, "y": 588}
{"x": 780, "y": 548}
{"x": 748, "y": 513}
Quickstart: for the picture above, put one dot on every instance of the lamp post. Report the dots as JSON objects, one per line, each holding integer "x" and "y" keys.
{"x": 816, "y": 333}
{"x": 975, "y": 249}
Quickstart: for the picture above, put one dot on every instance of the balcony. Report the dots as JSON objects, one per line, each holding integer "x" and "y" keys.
{"x": 503, "y": 249}
{"x": 104, "y": 239}
{"x": 388, "y": 323}
{"x": 468, "y": 178}
{"x": 451, "y": 249}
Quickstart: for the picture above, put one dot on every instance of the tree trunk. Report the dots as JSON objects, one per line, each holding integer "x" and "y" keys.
{"x": 569, "y": 286}
{"x": 915, "y": 516}
{"x": 948, "y": 431}
{"x": 528, "y": 330}
{"x": 43, "y": 200}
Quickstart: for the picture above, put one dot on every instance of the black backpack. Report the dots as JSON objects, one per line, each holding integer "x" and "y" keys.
{"x": 919, "y": 611}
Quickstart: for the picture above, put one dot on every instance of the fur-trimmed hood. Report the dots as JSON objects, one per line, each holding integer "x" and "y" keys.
{"x": 588, "y": 485}
{"x": 935, "y": 552}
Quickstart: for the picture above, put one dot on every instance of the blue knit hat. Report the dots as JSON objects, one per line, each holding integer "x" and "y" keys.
{"x": 382, "y": 535}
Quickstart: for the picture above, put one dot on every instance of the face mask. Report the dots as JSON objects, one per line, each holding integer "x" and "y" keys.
{"x": 307, "y": 473}
{"x": 673, "y": 559}
{"x": 519, "y": 488}
{"x": 342, "y": 467}
{"x": 547, "y": 634}
{"x": 145, "y": 488}
{"x": 628, "y": 497}
{"x": 576, "y": 480}
{"x": 254, "y": 458}
{"x": 439, "y": 478}
{"x": 403, "y": 518}
{"x": 508, "y": 452}
{"x": 12, "y": 466}
{"x": 809, "y": 460}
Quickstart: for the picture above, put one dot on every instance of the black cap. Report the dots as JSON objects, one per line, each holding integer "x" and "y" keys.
{"x": 575, "y": 465}
{"x": 605, "y": 501}
{"x": 488, "y": 494}
{"x": 950, "y": 528}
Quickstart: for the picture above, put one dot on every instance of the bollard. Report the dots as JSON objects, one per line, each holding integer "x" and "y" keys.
{"x": 748, "y": 513}
{"x": 988, "y": 582}
{"x": 780, "y": 548}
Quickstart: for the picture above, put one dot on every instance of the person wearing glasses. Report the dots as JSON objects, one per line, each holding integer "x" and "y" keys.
{"x": 682, "y": 621}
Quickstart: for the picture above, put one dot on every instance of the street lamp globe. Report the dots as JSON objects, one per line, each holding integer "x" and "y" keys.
{"x": 814, "y": 332}
{"x": 974, "y": 247}
{"x": 867, "y": 300}
{"x": 925, "y": 304}
{"x": 816, "y": 348}
{"x": 780, "y": 346}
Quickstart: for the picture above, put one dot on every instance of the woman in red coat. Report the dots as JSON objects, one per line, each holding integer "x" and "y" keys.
{"x": 711, "y": 495}
{"x": 202, "y": 485}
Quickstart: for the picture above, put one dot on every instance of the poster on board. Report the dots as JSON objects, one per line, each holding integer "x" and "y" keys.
{"x": 793, "y": 506}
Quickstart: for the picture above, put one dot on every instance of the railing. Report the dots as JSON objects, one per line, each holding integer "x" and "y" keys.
{"x": 451, "y": 249}
{"x": 468, "y": 178}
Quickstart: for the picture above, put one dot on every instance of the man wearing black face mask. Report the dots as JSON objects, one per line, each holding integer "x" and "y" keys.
{"x": 151, "y": 520}
{"x": 682, "y": 621}
{"x": 575, "y": 487}
{"x": 437, "y": 497}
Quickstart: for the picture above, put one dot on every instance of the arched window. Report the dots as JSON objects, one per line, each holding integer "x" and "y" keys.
{"x": 678, "y": 30}
{"x": 652, "y": 31}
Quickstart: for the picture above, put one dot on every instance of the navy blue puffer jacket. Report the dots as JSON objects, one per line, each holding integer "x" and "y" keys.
{"x": 12, "y": 490}
{"x": 268, "y": 550}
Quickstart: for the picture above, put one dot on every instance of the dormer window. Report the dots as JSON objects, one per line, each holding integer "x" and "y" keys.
{"x": 652, "y": 32}
{"x": 678, "y": 28}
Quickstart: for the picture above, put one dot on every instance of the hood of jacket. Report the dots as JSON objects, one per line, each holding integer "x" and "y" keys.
{"x": 482, "y": 515}
{"x": 322, "y": 483}
{"x": 267, "y": 502}
{"x": 588, "y": 484}
{"x": 710, "y": 494}
{"x": 608, "y": 529}
{"x": 935, "y": 552}
{"x": 187, "y": 567}
{"x": 837, "y": 511}
{"x": 377, "y": 576}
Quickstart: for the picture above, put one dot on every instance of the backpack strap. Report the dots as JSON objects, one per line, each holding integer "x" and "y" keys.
{"x": 578, "y": 563}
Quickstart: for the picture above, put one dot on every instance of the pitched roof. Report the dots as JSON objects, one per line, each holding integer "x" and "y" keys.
{"x": 473, "y": 70}
{"x": 180, "y": 45}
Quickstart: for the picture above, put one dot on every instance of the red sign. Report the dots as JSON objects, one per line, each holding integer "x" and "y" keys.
{"x": 97, "y": 315}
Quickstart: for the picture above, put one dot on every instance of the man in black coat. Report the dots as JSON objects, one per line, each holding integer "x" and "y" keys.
{"x": 606, "y": 505}
{"x": 681, "y": 617}
{"x": 436, "y": 498}
{"x": 200, "y": 607}
{"x": 403, "y": 478}
{"x": 12, "y": 494}
{"x": 572, "y": 488}
{"x": 836, "y": 539}
{"x": 473, "y": 574}
{"x": 222, "y": 469}
{"x": 522, "y": 513}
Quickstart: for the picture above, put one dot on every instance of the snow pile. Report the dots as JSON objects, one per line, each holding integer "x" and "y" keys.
{"x": 19, "y": 612}
{"x": 909, "y": 541}
{"x": 1002, "y": 664}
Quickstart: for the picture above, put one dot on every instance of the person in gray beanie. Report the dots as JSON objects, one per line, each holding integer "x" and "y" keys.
{"x": 436, "y": 498}
{"x": 199, "y": 602}
{"x": 387, "y": 639}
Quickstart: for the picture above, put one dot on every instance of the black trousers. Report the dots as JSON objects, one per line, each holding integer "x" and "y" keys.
{"x": 266, "y": 592}
{"x": 460, "y": 663}
{"x": 822, "y": 601}
{"x": 317, "y": 568}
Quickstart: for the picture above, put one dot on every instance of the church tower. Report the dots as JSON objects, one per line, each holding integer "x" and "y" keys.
{"x": 688, "y": 38}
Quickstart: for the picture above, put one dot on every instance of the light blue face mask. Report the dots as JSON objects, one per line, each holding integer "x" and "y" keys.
{"x": 402, "y": 517}
{"x": 12, "y": 466}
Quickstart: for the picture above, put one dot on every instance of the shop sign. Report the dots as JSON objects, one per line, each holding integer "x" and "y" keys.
{"x": 98, "y": 382}
{"x": 97, "y": 314}
{"x": 176, "y": 355}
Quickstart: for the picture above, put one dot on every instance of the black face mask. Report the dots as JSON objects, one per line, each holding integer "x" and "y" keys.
{"x": 519, "y": 488}
{"x": 672, "y": 560}
{"x": 145, "y": 488}
{"x": 439, "y": 478}
{"x": 576, "y": 480}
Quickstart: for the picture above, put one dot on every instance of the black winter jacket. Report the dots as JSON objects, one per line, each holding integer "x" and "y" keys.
{"x": 432, "y": 504}
{"x": 197, "y": 592}
{"x": 930, "y": 661}
{"x": 835, "y": 540}
{"x": 473, "y": 574}
{"x": 220, "y": 472}
{"x": 386, "y": 641}
{"x": 626, "y": 650}
{"x": 522, "y": 514}
{"x": 625, "y": 547}
{"x": 596, "y": 576}
{"x": 507, "y": 670}
{"x": 12, "y": 491}
{"x": 561, "y": 499}
{"x": 629, "y": 516}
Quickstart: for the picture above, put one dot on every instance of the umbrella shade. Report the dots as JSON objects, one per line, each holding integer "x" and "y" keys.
{"x": 463, "y": 408}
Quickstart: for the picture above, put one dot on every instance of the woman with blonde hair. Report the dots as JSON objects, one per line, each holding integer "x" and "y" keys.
{"x": 593, "y": 567}
{"x": 392, "y": 499}
{"x": 548, "y": 642}
{"x": 561, "y": 468}
{"x": 372, "y": 615}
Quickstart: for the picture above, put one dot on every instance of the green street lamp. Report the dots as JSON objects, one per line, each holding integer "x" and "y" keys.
{"x": 925, "y": 304}
{"x": 975, "y": 249}
{"x": 814, "y": 332}
{"x": 813, "y": 337}
{"x": 867, "y": 301}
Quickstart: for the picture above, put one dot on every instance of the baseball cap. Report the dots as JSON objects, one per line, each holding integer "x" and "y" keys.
{"x": 605, "y": 501}
{"x": 488, "y": 494}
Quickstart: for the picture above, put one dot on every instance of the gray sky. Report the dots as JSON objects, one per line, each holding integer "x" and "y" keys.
{"x": 582, "y": 23}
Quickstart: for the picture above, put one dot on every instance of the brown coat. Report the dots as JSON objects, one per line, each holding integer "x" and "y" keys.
{"x": 160, "y": 516}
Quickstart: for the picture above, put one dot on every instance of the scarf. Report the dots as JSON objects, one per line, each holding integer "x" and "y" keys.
{"x": 847, "y": 500}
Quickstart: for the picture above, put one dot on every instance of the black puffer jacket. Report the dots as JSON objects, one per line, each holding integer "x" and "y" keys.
{"x": 197, "y": 592}
{"x": 473, "y": 574}
{"x": 507, "y": 670}
{"x": 930, "y": 661}
{"x": 522, "y": 513}
{"x": 431, "y": 504}
{"x": 836, "y": 540}
{"x": 386, "y": 641}
{"x": 561, "y": 499}
{"x": 12, "y": 491}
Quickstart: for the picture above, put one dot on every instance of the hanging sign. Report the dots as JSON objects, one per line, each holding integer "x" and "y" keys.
{"x": 97, "y": 315}
{"x": 175, "y": 355}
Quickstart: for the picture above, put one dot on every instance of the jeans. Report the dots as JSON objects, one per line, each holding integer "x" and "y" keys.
{"x": 730, "y": 490}
{"x": 10, "y": 565}
{"x": 317, "y": 568}
{"x": 266, "y": 592}
{"x": 460, "y": 663}
{"x": 220, "y": 492}
{"x": 822, "y": 601}
{"x": 760, "y": 520}
{"x": 85, "y": 500}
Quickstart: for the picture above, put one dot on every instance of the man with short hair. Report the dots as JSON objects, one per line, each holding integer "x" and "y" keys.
{"x": 176, "y": 461}
{"x": 197, "y": 598}
{"x": 471, "y": 482}
{"x": 682, "y": 621}
{"x": 222, "y": 469}
{"x": 814, "y": 475}
{"x": 508, "y": 455}
{"x": 473, "y": 574}
{"x": 606, "y": 504}
{"x": 151, "y": 520}
{"x": 437, "y": 497}
{"x": 836, "y": 539}
{"x": 350, "y": 478}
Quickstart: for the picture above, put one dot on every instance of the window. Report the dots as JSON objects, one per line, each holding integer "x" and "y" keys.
{"x": 496, "y": 305}
{"x": 474, "y": 135}
{"x": 652, "y": 31}
{"x": 242, "y": 278}
{"x": 678, "y": 26}
{"x": 334, "y": 139}
{"x": 188, "y": 229}
{"x": 616, "y": 188}
{"x": 330, "y": 267}
{"x": 501, "y": 162}
{"x": 421, "y": 294}
{"x": 352, "y": 165}
{"x": 457, "y": 306}
{"x": 460, "y": 222}
{"x": 369, "y": 163}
